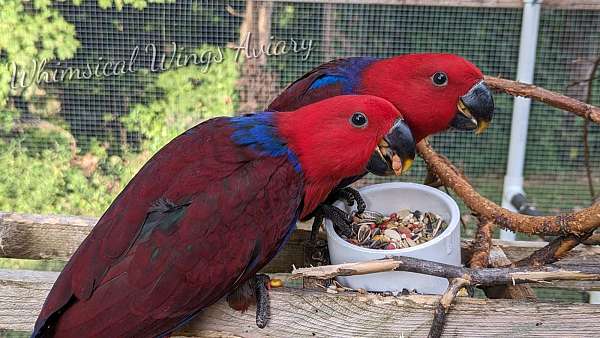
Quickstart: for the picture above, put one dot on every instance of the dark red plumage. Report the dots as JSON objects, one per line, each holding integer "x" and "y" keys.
{"x": 163, "y": 276}
{"x": 204, "y": 214}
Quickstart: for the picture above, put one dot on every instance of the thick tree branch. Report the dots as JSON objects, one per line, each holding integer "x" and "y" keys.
{"x": 573, "y": 228}
{"x": 477, "y": 277}
{"x": 577, "y": 223}
{"x": 560, "y": 101}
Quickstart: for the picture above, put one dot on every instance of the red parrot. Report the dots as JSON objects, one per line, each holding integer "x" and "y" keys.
{"x": 210, "y": 209}
{"x": 432, "y": 91}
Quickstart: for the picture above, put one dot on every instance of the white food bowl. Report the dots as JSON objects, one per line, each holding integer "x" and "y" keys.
{"x": 387, "y": 198}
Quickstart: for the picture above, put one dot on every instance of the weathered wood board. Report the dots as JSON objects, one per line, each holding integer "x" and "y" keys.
{"x": 308, "y": 313}
{"x": 42, "y": 236}
{"x": 26, "y": 236}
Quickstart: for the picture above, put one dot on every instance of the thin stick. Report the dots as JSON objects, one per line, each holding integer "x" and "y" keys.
{"x": 555, "y": 250}
{"x": 586, "y": 141}
{"x": 443, "y": 306}
{"x": 560, "y": 101}
{"x": 477, "y": 277}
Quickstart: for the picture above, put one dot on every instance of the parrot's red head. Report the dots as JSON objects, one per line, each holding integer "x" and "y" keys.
{"x": 345, "y": 136}
{"x": 433, "y": 91}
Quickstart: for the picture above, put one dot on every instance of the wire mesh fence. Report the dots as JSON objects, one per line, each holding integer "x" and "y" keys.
{"x": 124, "y": 77}
{"x": 90, "y": 89}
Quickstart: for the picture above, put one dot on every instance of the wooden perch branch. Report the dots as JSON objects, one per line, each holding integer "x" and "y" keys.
{"x": 577, "y": 223}
{"x": 482, "y": 245}
{"x": 554, "y": 251}
{"x": 482, "y": 258}
{"x": 443, "y": 306}
{"x": 477, "y": 277}
{"x": 498, "y": 259}
{"x": 572, "y": 228}
{"x": 560, "y": 101}
{"x": 594, "y": 239}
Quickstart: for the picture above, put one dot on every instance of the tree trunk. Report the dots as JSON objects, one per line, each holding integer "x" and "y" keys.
{"x": 257, "y": 85}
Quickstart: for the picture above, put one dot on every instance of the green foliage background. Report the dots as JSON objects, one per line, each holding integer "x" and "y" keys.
{"x": 47, "y": 165}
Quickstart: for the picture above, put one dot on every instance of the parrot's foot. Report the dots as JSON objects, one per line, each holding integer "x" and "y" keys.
{"x": 263, "y": 309}
{"x": 339, "y": 218}
{"x": 352, "y": 196}
{"x": 315, "y": 249}
{"x": 317, "y": 222}
{"x": 253, "y": 291}
{"x": 341, "y": 221}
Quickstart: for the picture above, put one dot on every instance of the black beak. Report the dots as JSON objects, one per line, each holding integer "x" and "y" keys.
{"x": 475, "y": 109}
{"x": 395, "y": 153}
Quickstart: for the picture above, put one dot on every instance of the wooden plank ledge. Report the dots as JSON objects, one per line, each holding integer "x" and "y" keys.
{"x": 31, "y": 236}
{"x": 26, "y": 236}
{"x": 297, "y": 313}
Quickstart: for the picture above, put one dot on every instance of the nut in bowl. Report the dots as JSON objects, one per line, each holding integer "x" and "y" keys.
{"x": 384, "y": 200}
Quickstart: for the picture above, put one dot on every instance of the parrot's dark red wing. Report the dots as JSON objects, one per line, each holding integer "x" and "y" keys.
{"x": 337, "y": 77}
{"x": 199, "y": 218}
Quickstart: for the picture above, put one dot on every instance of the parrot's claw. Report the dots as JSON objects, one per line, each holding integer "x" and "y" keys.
{"x": 352, "y": 196}
{"x": 317, "y": 222}
{"x": 263, "y": 310}
{"x": 316, "y": 252}
{"x": 337, "y": 216}
{"x": 315, "y": 249}
{"x": 341, "y": 221}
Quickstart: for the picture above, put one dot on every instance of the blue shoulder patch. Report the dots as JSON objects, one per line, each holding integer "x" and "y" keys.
{"x": 258, "y": 132}
{"x": 327, "y": 80}
{"x": 347, "y": 73}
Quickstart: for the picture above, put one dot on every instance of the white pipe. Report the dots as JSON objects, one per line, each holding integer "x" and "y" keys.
{"x": 594, "y": 297}
{"x": 513, "y": 181}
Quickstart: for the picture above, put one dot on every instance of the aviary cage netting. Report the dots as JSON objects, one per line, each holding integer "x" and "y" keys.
{"x": 101, "y": 129}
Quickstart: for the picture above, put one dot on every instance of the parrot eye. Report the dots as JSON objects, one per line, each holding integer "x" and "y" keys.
{"x": 440, "y": 79}
{"x": 359, "y": 120}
